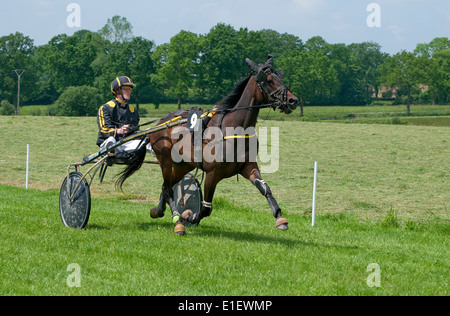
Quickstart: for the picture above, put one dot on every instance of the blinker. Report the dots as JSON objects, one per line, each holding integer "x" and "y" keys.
{"x": 261, "y": 76}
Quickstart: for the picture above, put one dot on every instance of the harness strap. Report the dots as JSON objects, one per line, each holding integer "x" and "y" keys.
{"x": 210, "y": 113}
{"x": 239, "y": 136}
{"x": 171, "y": 121}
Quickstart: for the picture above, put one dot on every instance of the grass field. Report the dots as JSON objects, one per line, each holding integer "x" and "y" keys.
{"x": 236, "y": 252}
{"x": 383, "y": 197}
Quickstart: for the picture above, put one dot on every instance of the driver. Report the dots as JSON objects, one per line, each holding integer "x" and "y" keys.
{"x": 117, "y": 119}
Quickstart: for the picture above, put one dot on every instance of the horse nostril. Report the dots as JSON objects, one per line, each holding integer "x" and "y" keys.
{"x": 293, "y": 101}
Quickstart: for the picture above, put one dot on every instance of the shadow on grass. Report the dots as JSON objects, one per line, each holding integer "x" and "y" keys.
{"x": 212, "y": 231}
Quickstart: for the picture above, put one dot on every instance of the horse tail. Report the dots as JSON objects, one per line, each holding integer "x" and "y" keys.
{"x": 134, "y": 164}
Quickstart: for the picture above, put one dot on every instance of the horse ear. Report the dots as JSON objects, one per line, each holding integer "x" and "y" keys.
{"x": 279, "y": 73}
{"x": 270, "y": 60}
{"x": 253, "y": 66}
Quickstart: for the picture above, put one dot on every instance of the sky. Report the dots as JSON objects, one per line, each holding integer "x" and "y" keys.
{"x": 402, "y": 23}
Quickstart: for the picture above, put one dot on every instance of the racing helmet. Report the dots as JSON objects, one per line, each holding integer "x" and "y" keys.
{"x": 120, "y": 82}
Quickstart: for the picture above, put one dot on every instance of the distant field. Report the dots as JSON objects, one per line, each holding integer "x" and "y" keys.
{"x": 409, "y": 120}
{"x": 422, "y": 115}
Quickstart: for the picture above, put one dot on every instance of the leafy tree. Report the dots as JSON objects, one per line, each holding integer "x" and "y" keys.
{"x": 311, "y": 76}
{"x": 254, "y": 46}
{"x": 429, "y": 49}
{"x": 403, "y": 71}
{"x": 438, "y": 76}
{"x": 221, "y": 58}
{"x": 318, "y": 44}
{"x": 78, "y": 101}
{"x": 436, "y": 56}
{"x": 117, "y": 30}
{"x": 17, "y": 52}
{"x": 176, "y": 65}
{"x": 7, "y": 108}
{"x": 66, "y": 60}
{"x": 278, "y": 44}
{"x": 206, "y": 67}
{"x": 368, "y": 58}
{"x": 349, "y": 90}
{"x": 141, "y": 67}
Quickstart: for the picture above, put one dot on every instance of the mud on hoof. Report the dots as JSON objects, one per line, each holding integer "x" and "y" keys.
{"x": 179, "y": 229}
{"x": 155, "y": 214}
{"x": 282, "y": 223}
{"x": 186, "y": 214}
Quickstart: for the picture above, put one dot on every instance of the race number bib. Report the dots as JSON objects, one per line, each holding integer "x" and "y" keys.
{"x": 194, "y": 120}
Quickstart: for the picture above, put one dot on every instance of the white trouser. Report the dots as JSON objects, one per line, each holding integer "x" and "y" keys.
{"x": 127, "y": 147}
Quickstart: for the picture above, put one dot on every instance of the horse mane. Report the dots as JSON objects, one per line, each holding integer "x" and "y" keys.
{"x": 227, "y": 102}
{"x": 232, "y": 99}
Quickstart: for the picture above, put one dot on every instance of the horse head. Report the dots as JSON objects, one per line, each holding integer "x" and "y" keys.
{"x": 272, "y": 87}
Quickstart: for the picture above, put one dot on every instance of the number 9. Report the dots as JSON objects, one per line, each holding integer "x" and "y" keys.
{"x": 194, "y": 120}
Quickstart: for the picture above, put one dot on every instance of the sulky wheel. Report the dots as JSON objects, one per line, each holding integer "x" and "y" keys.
{"x": 75, "y": 210}
{"x": 188, "y": 195}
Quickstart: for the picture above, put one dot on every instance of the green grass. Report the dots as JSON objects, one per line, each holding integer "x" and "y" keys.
{"x": 383, "y": 197}
{"x": 238, "y": 251}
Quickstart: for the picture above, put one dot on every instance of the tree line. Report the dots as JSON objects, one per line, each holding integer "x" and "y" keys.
{"x": 202, "y": 68}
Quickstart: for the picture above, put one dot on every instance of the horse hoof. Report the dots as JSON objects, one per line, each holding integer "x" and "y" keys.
{"x": 154, "y": 213}
{"x": 282, "y": 223}
{"x": 186, "y": 214}
{"x": 180, "y": 230}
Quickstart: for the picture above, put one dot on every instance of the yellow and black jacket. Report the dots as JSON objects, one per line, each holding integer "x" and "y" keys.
{"x": 112, "y": 116}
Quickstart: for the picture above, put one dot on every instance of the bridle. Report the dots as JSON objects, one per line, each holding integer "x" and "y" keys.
{"x": 276, "y": 98}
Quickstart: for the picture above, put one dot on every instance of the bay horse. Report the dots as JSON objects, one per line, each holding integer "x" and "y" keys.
{"x": 263, "y": 88}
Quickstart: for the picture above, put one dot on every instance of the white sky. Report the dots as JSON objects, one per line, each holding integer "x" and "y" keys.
{"x": 404, "y": 23}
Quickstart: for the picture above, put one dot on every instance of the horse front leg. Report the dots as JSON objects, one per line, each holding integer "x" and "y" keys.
{"x": 251, "y": 172}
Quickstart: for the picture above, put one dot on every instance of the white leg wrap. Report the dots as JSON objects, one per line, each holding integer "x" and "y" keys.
{"x": 207, "y": 204}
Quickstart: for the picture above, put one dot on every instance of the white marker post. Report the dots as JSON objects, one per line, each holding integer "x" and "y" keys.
{"x": 314, "y": 195}
{"x": 28, "y": 163}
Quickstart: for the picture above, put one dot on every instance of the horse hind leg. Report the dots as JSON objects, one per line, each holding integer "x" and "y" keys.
{"x": 171, "y": 176}
{"x": 176, "y": 217}
{"x": 158, "y": 212}
{"x": 178, "y": 173}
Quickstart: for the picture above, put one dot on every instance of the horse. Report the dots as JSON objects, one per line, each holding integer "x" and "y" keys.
{"x": 263, "y": 88}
